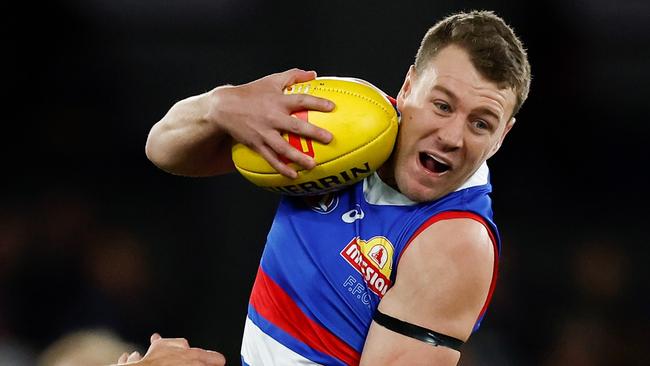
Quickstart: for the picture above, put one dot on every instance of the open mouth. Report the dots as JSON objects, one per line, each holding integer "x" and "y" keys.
{"x": 433, "y": 164}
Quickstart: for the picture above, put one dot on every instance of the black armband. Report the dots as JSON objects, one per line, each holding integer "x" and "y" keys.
{"x": 415, "y": 331}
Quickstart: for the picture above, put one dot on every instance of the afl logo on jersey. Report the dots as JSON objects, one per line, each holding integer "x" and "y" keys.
{"x": 323, "y": 204}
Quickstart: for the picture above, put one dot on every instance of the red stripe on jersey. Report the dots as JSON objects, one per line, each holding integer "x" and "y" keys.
{"x": 464, "y": 215}
{"x": 275, "y": 305}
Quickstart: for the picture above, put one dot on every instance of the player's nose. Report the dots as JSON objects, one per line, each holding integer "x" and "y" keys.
{"x": 450, "y": 133}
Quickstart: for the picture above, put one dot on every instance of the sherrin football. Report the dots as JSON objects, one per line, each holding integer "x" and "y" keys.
{"x": 364, "y": 127}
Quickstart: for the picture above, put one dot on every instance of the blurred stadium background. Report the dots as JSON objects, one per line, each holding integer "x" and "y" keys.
{"x": 93, "y": 236}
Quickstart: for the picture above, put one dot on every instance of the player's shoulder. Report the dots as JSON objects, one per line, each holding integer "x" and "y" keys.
{"x": 455, "y": 234}
{"x": 458, "y": 250}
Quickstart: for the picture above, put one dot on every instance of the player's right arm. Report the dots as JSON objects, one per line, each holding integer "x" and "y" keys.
{"x": 195, "y": 136}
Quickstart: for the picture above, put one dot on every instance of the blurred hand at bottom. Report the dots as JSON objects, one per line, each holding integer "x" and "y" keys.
{"x": 172, "y": 351}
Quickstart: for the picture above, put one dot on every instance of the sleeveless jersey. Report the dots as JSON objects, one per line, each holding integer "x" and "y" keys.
{"x": 327, "y": 264}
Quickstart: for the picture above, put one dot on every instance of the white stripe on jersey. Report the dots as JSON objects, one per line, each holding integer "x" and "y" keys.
{"x": 259, "y": 349}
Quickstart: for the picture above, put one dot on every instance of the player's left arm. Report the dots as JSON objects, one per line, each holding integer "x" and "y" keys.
{"x": 442, "y": 284}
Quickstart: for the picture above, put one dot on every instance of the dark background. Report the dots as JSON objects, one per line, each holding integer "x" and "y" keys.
{"x": 93, "y": 235}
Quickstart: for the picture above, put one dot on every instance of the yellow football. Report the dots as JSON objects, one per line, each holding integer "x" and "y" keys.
{"x": 363, "y": 124}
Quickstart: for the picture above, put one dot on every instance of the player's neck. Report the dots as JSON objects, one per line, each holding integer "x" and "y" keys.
{"x": 387, "y": 173}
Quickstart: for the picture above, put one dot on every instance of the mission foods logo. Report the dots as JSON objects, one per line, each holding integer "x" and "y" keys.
{"x": 373, "y": 259}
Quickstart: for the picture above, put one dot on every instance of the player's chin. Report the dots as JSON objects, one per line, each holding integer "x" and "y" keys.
{"x": 420, "y": 192}
{"x": 420, "y": 187}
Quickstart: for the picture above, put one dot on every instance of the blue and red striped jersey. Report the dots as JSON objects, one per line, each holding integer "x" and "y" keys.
{"x": 329, "y": 260}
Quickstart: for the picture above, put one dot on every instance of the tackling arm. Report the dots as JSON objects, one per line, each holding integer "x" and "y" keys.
{"x": 442, "y": 283}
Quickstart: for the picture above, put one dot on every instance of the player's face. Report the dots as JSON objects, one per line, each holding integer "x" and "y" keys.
{"x": 453, "y": 119}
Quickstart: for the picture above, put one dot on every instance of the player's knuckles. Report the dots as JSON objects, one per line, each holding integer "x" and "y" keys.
{"x": 274, "y": 140}
{"x": 252, "y": 139}
{"x": 248, "y": 143}
{"x": 295, "y": 125}
{"x": 275, "y": 118}
{"x": 299, "y": 101}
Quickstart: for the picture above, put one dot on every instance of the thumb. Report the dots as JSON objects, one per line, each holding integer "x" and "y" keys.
{"x": 154, "y": 337}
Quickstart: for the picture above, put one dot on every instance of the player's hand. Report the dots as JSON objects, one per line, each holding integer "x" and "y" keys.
{"x": 170, "y": 352}
{"x": 256, "y": 114}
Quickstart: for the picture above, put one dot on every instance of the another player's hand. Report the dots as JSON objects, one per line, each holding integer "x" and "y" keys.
{"x": 256, "y": 114}
{"x": 170, "y": 352}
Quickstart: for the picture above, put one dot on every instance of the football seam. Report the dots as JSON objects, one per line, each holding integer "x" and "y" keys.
{"x": 325, "y": 163}
{"x": 343, "y": 91}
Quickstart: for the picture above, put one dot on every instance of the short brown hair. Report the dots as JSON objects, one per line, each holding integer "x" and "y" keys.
{"x": 494, "y": 49}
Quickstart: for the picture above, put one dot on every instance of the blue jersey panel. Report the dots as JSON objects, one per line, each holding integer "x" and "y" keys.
{"x": 335, "y": 257}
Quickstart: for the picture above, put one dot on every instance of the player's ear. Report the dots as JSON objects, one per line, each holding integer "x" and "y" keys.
{"x": 406, "y": 87}
{"x": 497, "y": 146}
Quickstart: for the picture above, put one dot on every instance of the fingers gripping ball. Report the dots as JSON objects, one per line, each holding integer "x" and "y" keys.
{"x": 364, "y": 126}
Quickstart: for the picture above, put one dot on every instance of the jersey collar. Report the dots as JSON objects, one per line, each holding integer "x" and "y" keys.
{"x": 376, "y": 192}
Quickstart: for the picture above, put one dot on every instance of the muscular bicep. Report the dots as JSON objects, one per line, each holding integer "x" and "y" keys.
{"x": 442, "y": 283}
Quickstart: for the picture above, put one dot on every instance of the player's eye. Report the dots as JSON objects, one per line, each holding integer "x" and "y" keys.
{"x": 481, "y": 125}
{"x": 443, "y": 107}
